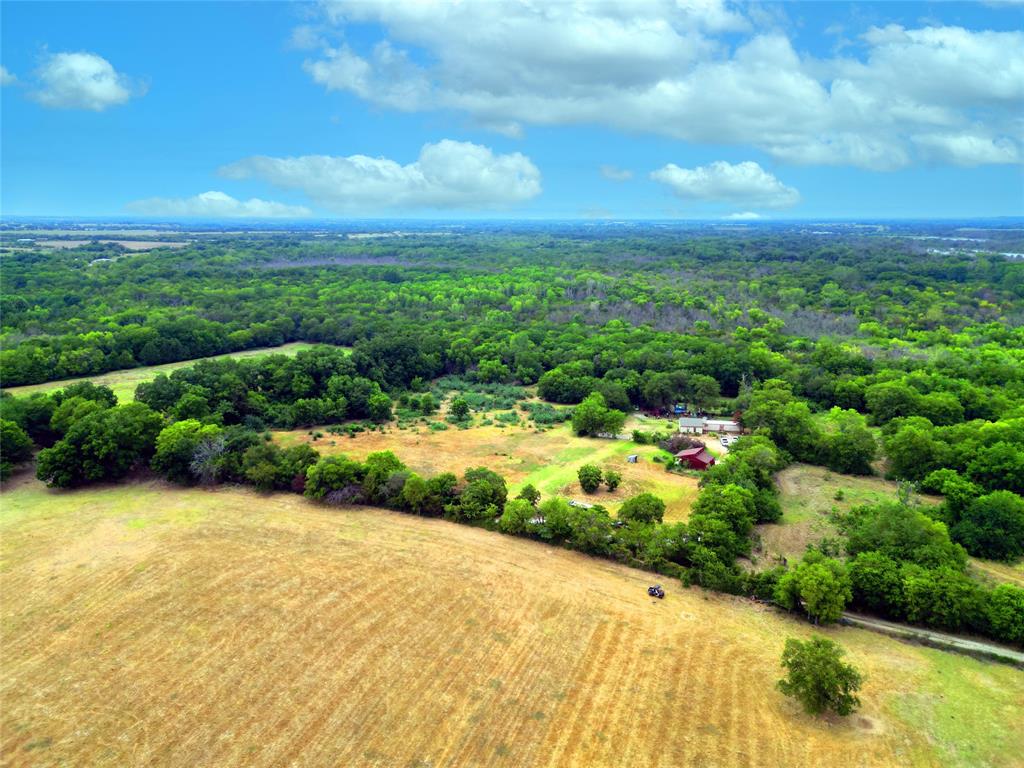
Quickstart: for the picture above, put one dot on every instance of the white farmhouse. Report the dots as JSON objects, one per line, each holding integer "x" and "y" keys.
{"x": 701, "y": 426}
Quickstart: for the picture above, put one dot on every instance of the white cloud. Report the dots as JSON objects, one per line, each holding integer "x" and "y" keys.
{"x": 967, "y": 149}
{"x": 745, "y": 184}
{"x": 743, "y": 216}
{"x": 665, "y": 68}
{"x": 7, "y": 77}
{"x": 612, "y": 173}
{"x": 447, "y": 175}
{"x": 217, "y": 205}
{"x": 81, "y": 81}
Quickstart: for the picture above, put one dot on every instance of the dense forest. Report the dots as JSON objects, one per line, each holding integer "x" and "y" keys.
{"x": 857, "y": 351}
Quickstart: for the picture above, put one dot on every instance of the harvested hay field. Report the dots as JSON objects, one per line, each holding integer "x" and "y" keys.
{"x": 548, "y": 460}
{"x": 808, "y": 496}
{"x": 124, "y": 382}
{"x": 148, "y": 625}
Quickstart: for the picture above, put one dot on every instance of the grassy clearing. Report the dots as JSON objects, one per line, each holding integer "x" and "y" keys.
{"x": 808, "y": 496}
{"x": 144, "y": 624}
{"x": 549, "y": 460}
{"x": 994, "y": 571}
{"x": 124, "y": 382}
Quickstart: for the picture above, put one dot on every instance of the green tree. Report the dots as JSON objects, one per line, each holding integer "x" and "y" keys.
{"x": 999, "y": 467}
{"x": 530, "y": 494}
{"x": 333, "y": 473}
{"x": 176, "y": 447}
{"x": 849, "y": 447}
{"x": 818, "y": 585}
{"x": 73, "y": 409}
{"x": 942, "y": 597}
{"x": 643, "y": 508}
{"x": 414, "y": 494}
{"x": 590, "y": 477}
{"x": 818, "y": 678}
{"x": 593, "y": 417}
{"x": 992, "y": 526}
{"x": 876, "y": 583}
{"x": 1006, "y": 613}
{"x": 484, "y": 496}
{"x": 730, "y": 503}
{"x": 914, "y": 452}
{"x": 105, "y": 445}
{"x": 379, "y": 406}
{"x": 15, "y": 447}
{"x": 516, "y": 517}
{"x": 380, "y": 465}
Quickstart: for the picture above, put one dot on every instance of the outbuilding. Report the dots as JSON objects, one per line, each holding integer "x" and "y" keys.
{"x": 696, "y": 458}
{"x": 692, "y": 425}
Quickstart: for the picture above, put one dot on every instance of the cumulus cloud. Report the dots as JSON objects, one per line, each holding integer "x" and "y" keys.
{"x": 612, "y": 173}
{"x": 739, "y": 184}
{"x": 82, "y": 81}
{"x": 446, "y": 175}
{"x": 217, "y": 205}
{"x": 967, "y": 149}
{"x": 7, "y": 77}
{"x": 743, "y": 216}
{"x": 667, "y": 68}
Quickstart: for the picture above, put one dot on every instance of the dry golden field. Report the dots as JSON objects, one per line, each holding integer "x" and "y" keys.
{"x": 148, "y": 625}
{"x": 549, "y": 460}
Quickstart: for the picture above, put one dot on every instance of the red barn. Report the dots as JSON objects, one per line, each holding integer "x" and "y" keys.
{"x": 697, "y": 458}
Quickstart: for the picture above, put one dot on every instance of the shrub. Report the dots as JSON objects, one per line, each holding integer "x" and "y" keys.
{"x": 590, "y": 477}
{"x": 459, "y": 409}
{"x": 612, "y": 479}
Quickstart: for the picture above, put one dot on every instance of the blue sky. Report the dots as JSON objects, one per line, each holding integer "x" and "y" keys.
{"x": 493, "y": 109}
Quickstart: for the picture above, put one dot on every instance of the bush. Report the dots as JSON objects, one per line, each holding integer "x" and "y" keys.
{"x": 818, "y": 678}
{"x": 590, "y": 477}
{"x": 459, "y": 409}
{"x": 612, "y": 479}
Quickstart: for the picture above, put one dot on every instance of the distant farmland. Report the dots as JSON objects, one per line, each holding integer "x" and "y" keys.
{"x": 145, "y": 624}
